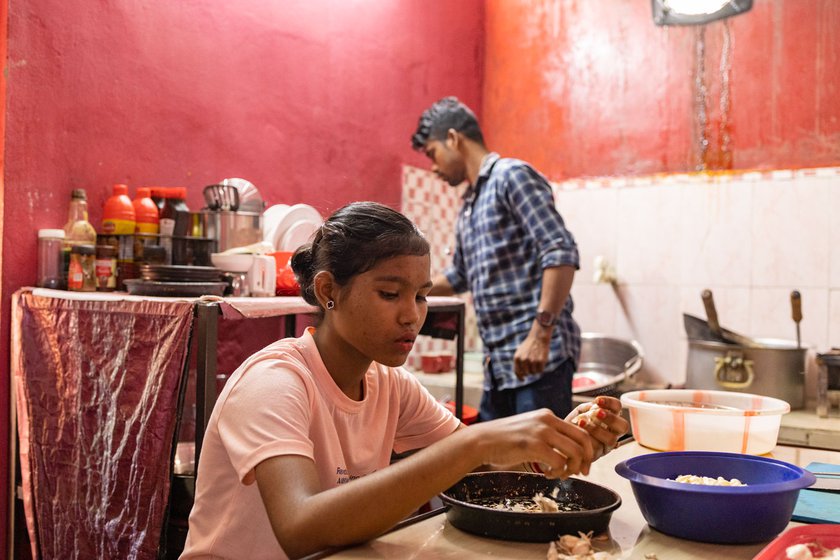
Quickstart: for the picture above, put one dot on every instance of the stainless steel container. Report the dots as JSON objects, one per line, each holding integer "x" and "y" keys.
{"x": 775, "y": 368}
{"x": 828, "y": 382}
{"x": 232, "y": 228}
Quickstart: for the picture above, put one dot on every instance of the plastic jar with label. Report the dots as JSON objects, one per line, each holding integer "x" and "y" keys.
{"x": 81, "y": 275}
{"x": 105, "y": 268}
{"x": 50, "y": 258}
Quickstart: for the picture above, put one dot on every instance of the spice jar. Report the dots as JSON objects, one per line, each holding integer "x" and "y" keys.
{"x": 106, "y": 268}
{"x": 81, "y": 273}
{"x": 50, "y": 258}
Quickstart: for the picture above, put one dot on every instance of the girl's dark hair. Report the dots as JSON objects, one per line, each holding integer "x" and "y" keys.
{"x": 352, "y": 241}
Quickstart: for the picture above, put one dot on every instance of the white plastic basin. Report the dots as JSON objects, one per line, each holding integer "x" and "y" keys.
{"x": 697, "y": 420}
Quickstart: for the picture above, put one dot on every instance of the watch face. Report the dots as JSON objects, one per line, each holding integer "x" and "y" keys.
{"x": 546, "y": 318}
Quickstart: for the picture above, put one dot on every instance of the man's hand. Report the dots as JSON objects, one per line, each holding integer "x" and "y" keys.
{"x": 532, "y": 355}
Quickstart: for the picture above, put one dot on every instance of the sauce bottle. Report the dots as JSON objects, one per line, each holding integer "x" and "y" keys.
{"x": 174, "y": 220}
{"x": 118, "y": 222}
{"x": 147, "y": 225}
{"x": 105, "y": 268}
{"x": 78, "y": 230}
{"x": 118, "y": 216}
{"x": 81, "y": 276}
{"x": 146, "y": 213}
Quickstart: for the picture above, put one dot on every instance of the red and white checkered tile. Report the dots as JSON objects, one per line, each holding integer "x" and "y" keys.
{"x": 433, "y": 206}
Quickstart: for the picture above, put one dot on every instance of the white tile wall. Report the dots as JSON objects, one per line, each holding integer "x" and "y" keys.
{"x": 750, "y": 237}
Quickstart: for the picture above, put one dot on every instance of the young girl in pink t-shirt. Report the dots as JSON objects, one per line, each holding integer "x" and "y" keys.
{"x": 296, "y": 456}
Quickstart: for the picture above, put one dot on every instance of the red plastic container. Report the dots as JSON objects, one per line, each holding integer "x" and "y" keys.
{"x": 826, "y": 535}
{"x": 469, "y": 413}
{"x": 286, "y": 283}
{"x": 437, "y": 362}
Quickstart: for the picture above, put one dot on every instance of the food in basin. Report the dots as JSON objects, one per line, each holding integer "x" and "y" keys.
{"x": 754, "y": 512}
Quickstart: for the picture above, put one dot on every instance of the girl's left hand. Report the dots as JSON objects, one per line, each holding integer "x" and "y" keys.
{"x": 602, "y": 420}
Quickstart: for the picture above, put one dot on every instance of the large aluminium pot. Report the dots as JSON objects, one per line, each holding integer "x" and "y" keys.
{"x": 773, "y": 368}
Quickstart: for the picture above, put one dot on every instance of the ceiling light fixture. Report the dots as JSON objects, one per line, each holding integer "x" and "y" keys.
{"x": 696, "y": 12}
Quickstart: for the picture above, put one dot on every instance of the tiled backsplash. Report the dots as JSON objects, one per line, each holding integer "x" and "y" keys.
{"x": 433, "y": 206}
{"x": 750, "y": 237}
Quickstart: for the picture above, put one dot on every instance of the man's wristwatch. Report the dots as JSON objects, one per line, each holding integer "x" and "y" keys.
{"x": 547, "y": 318}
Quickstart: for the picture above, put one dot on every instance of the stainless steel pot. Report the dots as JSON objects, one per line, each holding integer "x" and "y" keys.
{"x": 232, "y": 229}
{"x": 774, "y": 368}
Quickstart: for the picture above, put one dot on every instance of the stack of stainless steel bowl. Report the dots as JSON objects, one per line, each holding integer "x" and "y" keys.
{"x": 234, "y": 213}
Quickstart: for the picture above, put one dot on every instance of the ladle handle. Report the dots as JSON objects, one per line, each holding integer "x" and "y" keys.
{"x": 711, "y": 312}
{"x": 796, "y": 311}
{"x": 796, "y": 305}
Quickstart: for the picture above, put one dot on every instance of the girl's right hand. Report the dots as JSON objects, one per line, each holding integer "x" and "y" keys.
{"x": 562, "y": 448}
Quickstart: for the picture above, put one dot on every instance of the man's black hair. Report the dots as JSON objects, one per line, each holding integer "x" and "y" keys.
{"x": 444, "y": 114}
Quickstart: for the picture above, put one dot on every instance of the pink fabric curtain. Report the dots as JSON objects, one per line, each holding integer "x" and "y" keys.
{"x": 96, "y": 385}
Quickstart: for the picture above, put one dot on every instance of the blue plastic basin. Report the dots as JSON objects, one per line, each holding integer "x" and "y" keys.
{"x": 717, "y": 514}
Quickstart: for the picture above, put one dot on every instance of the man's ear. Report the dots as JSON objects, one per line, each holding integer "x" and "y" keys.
{"x": 325, "y": 287}
{"x": 453, "y": 139}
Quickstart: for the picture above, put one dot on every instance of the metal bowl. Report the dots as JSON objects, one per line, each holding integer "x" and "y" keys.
{"x": 605, "y": 361}
{"x": 466, "y": 512}
{"x": 753, "y": 513}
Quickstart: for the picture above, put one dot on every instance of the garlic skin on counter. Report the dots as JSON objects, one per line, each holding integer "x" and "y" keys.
{"x": 571, "y": 547}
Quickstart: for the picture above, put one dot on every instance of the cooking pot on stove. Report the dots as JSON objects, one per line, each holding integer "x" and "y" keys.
{"x": 770, "y": 367}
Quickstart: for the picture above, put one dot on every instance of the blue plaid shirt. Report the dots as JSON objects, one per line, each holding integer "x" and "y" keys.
{"x": 507, "y": 232}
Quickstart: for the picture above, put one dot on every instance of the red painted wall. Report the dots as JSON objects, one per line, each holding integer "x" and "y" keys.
{"x": 314, "y": 101}
{"x": 585, "y": 88}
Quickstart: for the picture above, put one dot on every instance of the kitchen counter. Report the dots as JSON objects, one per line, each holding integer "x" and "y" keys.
{"x": 804, "y": 428}
{"x": 799, "y": 427}
{"x": 434, "y": 537}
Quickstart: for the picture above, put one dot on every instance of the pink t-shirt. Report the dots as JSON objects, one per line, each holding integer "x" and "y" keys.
{"x": 282, "y": 401}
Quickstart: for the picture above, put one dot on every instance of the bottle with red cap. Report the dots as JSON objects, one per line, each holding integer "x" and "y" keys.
{"x": 118, "y": 221}
{"x": 118, "y": 216}
{"x": 174, "y": 222}
{"x": 147, "y": 218}
{"x": 147, "y": 225}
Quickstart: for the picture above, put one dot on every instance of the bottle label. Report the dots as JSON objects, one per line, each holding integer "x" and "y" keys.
{"x": 117, "y": 227}
{"x": 75, "y": 275}
{"x": 106, "y": 274}
{"x": 147, "y": 227}
{"x": 167, "y": 227}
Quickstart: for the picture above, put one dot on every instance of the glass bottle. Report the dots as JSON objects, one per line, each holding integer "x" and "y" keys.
{"x": 78, "y": 230}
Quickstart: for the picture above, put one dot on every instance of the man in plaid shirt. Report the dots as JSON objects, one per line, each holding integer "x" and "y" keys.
{"x": 515, "y": 255}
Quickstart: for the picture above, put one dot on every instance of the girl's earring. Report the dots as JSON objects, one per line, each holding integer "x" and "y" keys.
{"x": 330, "y": 304}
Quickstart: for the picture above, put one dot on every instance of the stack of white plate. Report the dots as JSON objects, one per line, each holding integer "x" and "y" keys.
{"x": 288, "y": 227}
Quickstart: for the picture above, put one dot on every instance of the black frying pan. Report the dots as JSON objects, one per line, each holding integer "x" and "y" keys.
{"x": 598, "y": 503}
